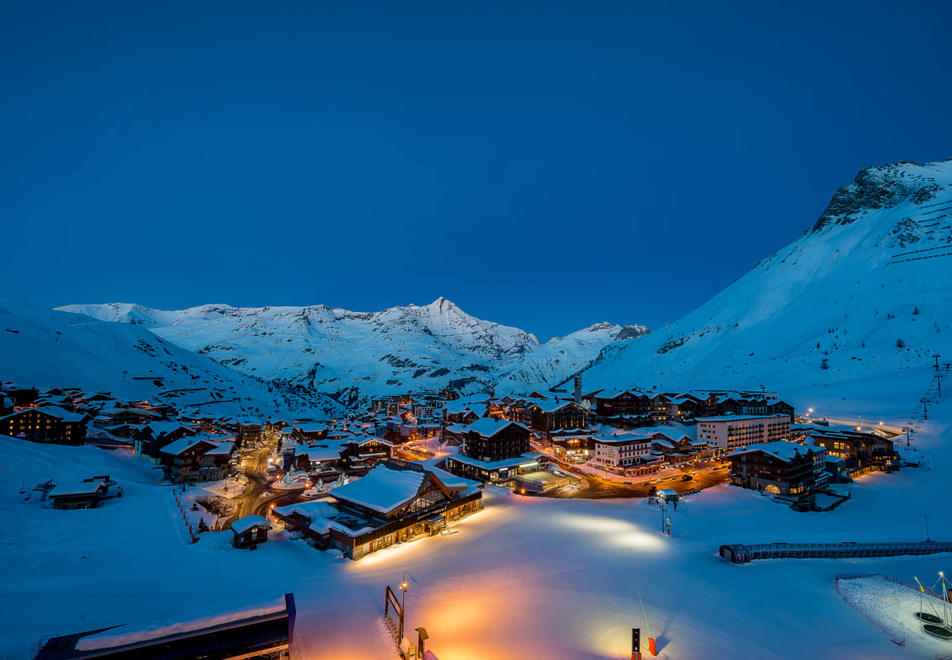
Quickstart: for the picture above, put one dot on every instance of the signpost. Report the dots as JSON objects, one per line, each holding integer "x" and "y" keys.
{"x": 636, "y": 644}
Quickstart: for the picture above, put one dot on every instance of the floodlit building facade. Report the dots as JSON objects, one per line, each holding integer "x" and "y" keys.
{"x": 734, "y": 431}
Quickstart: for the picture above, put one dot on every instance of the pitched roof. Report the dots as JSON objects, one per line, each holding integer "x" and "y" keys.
{"x": 182, "y": 445}
{"x": 247, "y": 523}
{"x": 383, "y": 489}
{"x": 489, "y": 426}
{"x": 780, "y": 449}
{"x": 52, "y": 411}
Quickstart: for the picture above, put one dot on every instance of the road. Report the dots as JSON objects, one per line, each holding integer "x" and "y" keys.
{"x": 595, "y": 487}
{"x": 256, "y": 500}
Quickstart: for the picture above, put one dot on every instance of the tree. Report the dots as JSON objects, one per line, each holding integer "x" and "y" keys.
{"x": 202, "y": 527}
{"x": 900, "y": 343}
{"x": 825, "y": 364}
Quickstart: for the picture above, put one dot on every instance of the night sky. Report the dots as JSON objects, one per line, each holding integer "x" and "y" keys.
{"x": 546, "y": 167}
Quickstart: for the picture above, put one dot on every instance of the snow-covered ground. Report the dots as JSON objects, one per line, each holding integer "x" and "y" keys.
{"x": 892, "y": 607}
{"x": 527, "y": 577}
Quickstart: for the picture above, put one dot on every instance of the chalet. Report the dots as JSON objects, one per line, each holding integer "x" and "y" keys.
{"x": 263, "y": 631}
{"x": 85, "y": 494}
{"x": 310, "y": 432}
{"x": 317, "y": 458}
{"x": 395, "y": 502}
{"x": 120, "y": 416}
{"x": 149, "y": 439}
{"x": 196, "y": 458}
{"x": 573, "y": 445}
{"x": 248, "y": 434}
{"x": 623, "y": 404}
{"x": 365, "y": 451}
{"x": 683, "y": 407}
{"x": 782, "y": 408}
{"x": 249, "y": 531}
{"x": 660, "y": 408}
{"x": 462, "y": 412}
{"x": 744, "y": 405}
{"x": 554, "y": 415}
{"x": 860, "y": 452}
{"x": 780, "y": 468}
{"x": 52, "y": 425}
{"x": 489, "y": 439}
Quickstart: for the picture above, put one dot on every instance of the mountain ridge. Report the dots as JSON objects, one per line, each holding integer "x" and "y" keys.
{"x": 353, "y": 355}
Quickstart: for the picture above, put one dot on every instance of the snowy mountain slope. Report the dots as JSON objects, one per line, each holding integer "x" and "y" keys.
{"x": 353, "y": 355}
{"x": 54, "y": 348}
{"x": 863, "y": 293}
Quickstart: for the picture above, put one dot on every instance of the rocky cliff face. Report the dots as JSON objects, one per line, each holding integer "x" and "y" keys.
{"x": 879, "y": 188}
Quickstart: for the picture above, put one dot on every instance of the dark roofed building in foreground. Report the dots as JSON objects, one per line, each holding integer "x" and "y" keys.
{"x": 261, "y": 632}
{"x": 780, "y": 468}
{"x": 395, "y": 502}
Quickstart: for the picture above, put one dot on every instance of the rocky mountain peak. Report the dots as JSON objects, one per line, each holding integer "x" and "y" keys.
{"x": 877, "y": 188}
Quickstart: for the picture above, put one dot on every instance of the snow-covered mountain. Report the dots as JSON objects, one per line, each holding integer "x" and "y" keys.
{"x": 44, "y": 348}
{"x": 865, "y": 293}
{"x": 352, "y": 355}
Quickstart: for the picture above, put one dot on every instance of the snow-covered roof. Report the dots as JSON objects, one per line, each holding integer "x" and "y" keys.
{"x": 184, "y": 444}
{"x": 738, "y": 418}
{"x": 383, "y": 489}
{"x": 523, "y": 459}
{"x": 248, "y": 523}
{"x": 623, "y": 438}
{"x": 223, "y": 449}
{"x": 781, "y": 449}
{"x": 489, "y": 426}
{"x": 369, "y": 439}
{"x": 317, "y": 454}
{"x": 181, "y": 623}
{"x": 77, "y": 488}
{"x": 168, "y": 427}
{"x": 52, "y": 411}
{"x": 554, "y": 406}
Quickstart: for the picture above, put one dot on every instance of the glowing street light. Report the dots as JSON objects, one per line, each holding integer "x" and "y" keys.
{"x": 403, "y": 603}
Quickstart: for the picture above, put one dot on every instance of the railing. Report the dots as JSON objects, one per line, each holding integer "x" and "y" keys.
{"x": 742, "y": 554}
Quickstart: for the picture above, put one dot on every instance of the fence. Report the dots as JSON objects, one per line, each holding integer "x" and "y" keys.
{"x": 181, "y": 507}
{"x": 741, "y": 554}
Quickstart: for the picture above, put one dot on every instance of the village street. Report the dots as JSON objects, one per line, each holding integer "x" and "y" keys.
{"x": 257, "y": 499}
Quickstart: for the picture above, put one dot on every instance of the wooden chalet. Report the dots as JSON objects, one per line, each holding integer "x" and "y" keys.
{"x": 48, "y": 424}
{"x": 395, "y": 502}
{"x": 197, "y": 458}
{"x": 780, "y": 467}
{"x": 249, "y": 532}
{"x": 365, "y": 451}
{"x": 623, "y": 404}
{"x": 860, "y": 452}
{"x": 489, "y": 439}
{"x": 86, "y": 494}
{"x": 553, "y": 415}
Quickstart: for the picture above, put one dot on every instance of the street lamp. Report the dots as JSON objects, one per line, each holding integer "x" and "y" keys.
{"x": 403, "y": 603}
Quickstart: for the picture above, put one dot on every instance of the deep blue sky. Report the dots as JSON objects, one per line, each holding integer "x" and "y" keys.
{"x": 543, "y": 167}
